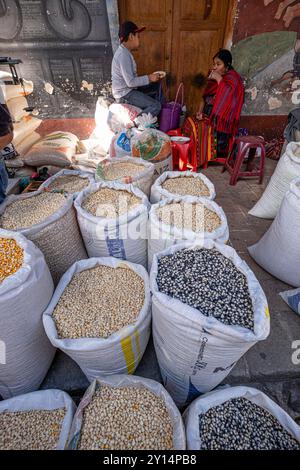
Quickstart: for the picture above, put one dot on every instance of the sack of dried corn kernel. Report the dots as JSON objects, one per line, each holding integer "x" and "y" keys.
{"x": 113, "y": 220}
{"x": 288, "y": 168}
{"x": 136, "y": 414}
{"x": 26, "y": 288}
{"x": 177, "y": 219}
{"x": 56, "y": 149}
{"x": 182, "y": 183}
{"x": 36, "y": 421}
{"x": 100, "y": 316}
{"x": 127, "y": 170}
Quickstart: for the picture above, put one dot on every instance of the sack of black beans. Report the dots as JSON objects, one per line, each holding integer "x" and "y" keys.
{"x": 177, "y": 219}
{"x": 26, "y": 288}
{"x": 208, "y": 309}
{"x": 113, "y": 220}
{"x": 100, "y": 316}
{"x": 127, "y": 413}
{"x": 36, "y": 421}
{"x": 182, "y": 183}
{"x": 283, "y": 239}
{"x": 69, "y": 182}
{"x": 239, "y": 418}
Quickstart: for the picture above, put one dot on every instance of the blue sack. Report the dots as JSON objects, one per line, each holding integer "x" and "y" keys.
{"x": 292, "y": 298}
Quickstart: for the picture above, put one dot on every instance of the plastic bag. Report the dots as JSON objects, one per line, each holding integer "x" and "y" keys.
{"x": 124, "y": 237}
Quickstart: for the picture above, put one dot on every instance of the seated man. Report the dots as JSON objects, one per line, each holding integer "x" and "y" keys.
{"x": 127, "y": 87}
{"x": 6, "y": 136}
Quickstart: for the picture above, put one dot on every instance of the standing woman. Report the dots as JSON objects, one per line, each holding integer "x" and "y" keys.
{"x": 216, "y": 123}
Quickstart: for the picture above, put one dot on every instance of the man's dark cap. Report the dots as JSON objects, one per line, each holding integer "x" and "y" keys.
{"x": 129, "y": 27}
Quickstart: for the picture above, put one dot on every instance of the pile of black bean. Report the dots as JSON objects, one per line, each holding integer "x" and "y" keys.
{"x": 239, "y": 424}
{"x": 209, "y": 282}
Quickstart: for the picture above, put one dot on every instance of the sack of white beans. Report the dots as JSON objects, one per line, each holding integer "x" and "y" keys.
{"x": 288, "y": 168}
{"x": 100, "y": 316}
{"x": 127, "y": 413}
{"x": 239, "y": 418}
{"x": 69, "y": 181}
{"x": 26, "y": 288}
{"x": 182, "y": 183}
{"x": 127, "y": 170}
{"x": 282, "y": 239}
{"x": 162, "y": 166}
{"x": 177, "y": 219}
{"x": 36, "y": 421}
{"x": 113, "y": 220}
{"x": 49, "y": 220}
{"x": 208, "y": 309}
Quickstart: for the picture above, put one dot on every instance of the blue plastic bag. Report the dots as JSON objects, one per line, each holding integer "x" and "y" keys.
{"x": 292, "y": 298}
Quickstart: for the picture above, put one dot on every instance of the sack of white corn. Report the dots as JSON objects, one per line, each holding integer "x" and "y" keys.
{"x": 56, "y": 149}
{"x": 288, "y": 168}
{"x": 113, "y": 220}
{"x": 127, "y": 170}
{"x": 100, "y": 316}
{"x": 127, "y": 413}
{"x": 120, "y": 116}
{"x": 49, "y": 220}
{"x": 16, "y": 91}
{"x": 26, "y": 288}
{"x": 162, "y": 166}
{"x": 177, "y": 219}
{"x": 239, "y": 418}
{"x": 278, "y": 251}
{"x": 23, "y": 129}
{"x": 25, "y": 145}
{"x": 16, "y": 107}
{"x": 68, "y": 181}
{"x": 36, "y": 421}
{"x": 182, "y": 183}
{"x": 208, "y": 309}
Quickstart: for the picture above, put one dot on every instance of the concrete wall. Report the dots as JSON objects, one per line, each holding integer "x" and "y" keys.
{"x": 66, "y": 43}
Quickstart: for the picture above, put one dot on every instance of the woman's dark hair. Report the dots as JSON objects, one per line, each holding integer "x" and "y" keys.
{"x": 226, "y": 57}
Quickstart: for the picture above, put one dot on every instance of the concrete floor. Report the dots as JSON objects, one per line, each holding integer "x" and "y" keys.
{"x": 268, "y": 365}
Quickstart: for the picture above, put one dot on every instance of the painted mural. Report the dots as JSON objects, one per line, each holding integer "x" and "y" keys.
{"x": 66, "y": 48}
{"x": 266, "y": 49}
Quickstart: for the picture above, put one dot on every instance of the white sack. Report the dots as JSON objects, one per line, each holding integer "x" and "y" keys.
{"x": 23, "y": 129}
{"x": 56, "y": 149}
{"x": 80, "y": 174}
{"x": 16, "y": 107}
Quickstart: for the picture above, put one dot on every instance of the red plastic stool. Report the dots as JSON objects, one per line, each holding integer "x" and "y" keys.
{"x": 175, "y": 154}
{"x": 246, "y": 146}
{"x": 184, "y": 155}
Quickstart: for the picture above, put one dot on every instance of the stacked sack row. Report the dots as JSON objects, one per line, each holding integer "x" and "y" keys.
{"x": 207, "y": 306}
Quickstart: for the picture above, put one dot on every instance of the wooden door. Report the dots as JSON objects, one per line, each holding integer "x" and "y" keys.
{"x": 181, "y": 38}
{"x": 156, "y": 41}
